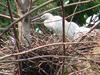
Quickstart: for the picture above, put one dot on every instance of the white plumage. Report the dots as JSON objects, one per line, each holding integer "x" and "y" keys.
{"x": 92, "y": 19}
{"x": 55, "y": 23}
{"x": 80, "y": 32}
{"x": 72, "y": 30}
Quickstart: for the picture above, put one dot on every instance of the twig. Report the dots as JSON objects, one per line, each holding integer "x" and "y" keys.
{"x": 48, "y": 56}
{"x": 79, "y": 70}
{"x": 3, "y": 73}
{"x": 30, "y": 50}
{"x": 45, "y": 73}
{"x": 7, "y": 17}
{"x": 63, "y": 34}
{"x": 74, "y": 11}
{"x": 59, "y": 70}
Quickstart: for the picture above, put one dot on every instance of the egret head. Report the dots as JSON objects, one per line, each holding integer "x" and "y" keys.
{"x": 46, "y": 16}
{"x": 92, "y": 19}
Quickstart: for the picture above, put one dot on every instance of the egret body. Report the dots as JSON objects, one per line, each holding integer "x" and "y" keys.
{"x": 55, "y": 23}
{"x": 72, "y": 30}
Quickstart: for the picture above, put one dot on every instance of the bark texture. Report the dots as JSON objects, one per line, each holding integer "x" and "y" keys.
{"x": 23, "y": 6}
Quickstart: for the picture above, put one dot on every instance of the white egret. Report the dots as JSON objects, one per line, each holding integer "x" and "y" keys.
{"x": 55, "y": 23}
{"x": 72, "y": 30}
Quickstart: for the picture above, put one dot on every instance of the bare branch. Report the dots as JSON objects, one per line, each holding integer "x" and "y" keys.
{"x": 7, "y": 17}
{"x": 67, "y": 43}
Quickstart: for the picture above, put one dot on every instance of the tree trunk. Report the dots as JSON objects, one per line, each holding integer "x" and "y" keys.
{"x": 23, "y": 6}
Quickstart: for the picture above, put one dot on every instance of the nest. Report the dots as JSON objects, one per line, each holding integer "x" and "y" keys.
{"x": 78, "y": 58}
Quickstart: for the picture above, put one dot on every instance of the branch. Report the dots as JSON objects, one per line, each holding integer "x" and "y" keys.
{"x": 7, "y": 17}
{"x": 53, "y": 44}
{"x": 51, "y": 56}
